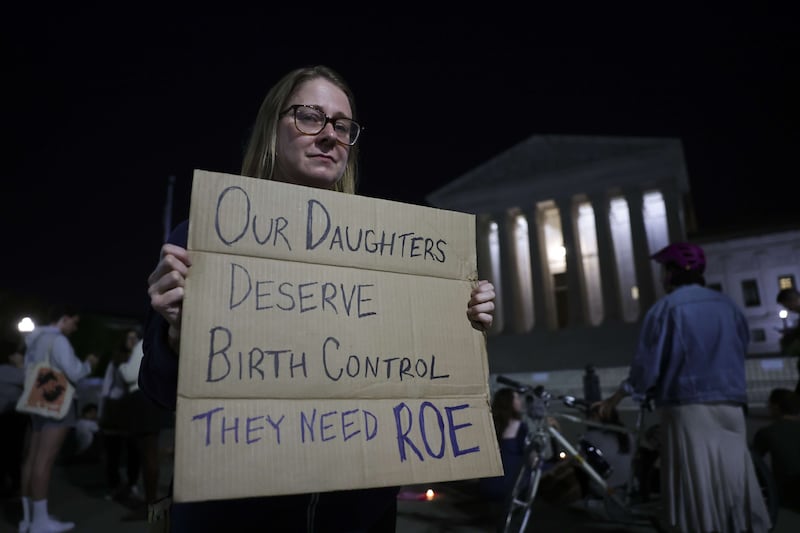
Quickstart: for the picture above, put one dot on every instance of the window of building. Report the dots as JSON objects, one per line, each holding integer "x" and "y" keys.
{"x": 750, "y": 294}
{"x": 786, "y": 282}
{"x": 758, "y": 335}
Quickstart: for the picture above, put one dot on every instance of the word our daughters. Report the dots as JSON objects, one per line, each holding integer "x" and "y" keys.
{"x": 235, "y": 208}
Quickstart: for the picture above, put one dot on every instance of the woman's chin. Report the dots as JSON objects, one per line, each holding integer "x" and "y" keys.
{"x": 317, "y": 177}
{"x": 319, "y": 181}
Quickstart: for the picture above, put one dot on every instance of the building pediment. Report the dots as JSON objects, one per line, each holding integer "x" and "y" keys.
{"x": 552, "y": 166}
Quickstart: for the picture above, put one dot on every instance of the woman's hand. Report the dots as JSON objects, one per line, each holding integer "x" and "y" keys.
{"x": 166, "y": 288}
{"x": 604, "y": 408}
{"x": 480, "y": 308}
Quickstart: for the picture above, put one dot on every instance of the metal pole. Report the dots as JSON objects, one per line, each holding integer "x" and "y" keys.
{"x": 168, "y": 208}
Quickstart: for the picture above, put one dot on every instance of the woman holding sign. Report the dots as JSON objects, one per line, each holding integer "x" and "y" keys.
{"x": 305, "y": 133}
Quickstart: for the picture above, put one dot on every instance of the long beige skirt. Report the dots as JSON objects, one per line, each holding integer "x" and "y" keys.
{"x": 707, "y": 476}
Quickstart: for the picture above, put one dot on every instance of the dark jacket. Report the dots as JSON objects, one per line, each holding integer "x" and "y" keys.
{"x": 363, "y": 510}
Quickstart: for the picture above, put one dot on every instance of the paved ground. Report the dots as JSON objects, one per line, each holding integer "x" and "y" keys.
{"x": 458, "y": 509}
{"x": 78, "y": 494}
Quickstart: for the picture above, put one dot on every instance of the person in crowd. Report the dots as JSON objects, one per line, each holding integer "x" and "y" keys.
{"x": 145, "y": 420}
{"x": 789, "y": 298}
{"x": 511, "y": 430}
{"x": 87, "y": 445}
{"x": 13, "y": 424}
{"x": 559, "y": 483}
{"x": 690, "y": 358}
{"x": 114, "y": 424}
{"x": 780, "y": 441}
{"x": 47, "y": 434}
{"x": 790, "y": 338}
{"x": 306, "y": 133}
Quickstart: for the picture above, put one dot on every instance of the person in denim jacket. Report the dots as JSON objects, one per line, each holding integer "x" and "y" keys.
{"x": 690, "y": 359}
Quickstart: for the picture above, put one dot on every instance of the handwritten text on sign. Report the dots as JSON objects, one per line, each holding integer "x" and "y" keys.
{"x": 235, "y": 221}
{"x": 430, "y": 430}
{"x": 323, "y": 330}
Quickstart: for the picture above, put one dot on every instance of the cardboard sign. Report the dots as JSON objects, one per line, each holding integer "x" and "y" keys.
{"x": 325, "y": 345}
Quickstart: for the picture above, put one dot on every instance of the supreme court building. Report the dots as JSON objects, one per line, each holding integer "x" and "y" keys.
{"x": 565, "y": 229}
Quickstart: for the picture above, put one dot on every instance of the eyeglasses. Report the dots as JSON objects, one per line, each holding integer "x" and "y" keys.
{"x": 310, "y": 120}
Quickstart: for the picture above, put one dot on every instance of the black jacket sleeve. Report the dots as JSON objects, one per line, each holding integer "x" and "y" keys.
{"x": 158, "y": 374}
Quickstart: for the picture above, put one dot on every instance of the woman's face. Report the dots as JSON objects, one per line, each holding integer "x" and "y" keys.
{"x": 69, "y": 324}
{"x": 312, "y": 160}
{"x": 131, "y": 339}
{"x": 516, "y": 403}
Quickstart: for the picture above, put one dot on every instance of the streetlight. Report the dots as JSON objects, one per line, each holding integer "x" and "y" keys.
{"x": 26, "y": 325}
{"x": 783, "y": 314}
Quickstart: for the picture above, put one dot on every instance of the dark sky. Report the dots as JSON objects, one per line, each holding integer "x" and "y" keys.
{"x": 101, "y": 107}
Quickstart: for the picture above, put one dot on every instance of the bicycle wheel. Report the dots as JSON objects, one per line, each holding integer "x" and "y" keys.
{"x": 768, "y": 487}
{"x": 521, "y": 498}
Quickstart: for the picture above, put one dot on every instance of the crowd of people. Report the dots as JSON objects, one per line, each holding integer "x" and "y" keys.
{"x": 689, "y": 361}
{"x": 83, "y": 438}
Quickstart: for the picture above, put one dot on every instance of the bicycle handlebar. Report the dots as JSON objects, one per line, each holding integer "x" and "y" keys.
{"x": 539, "y": 390}
{"x": 572, "y": 401}
{"x": 569, "y": 401}
{"x": 513, "y": 383}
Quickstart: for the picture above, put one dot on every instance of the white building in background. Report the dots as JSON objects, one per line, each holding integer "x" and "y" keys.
{"x": 751, "y": 269}
{"x": 565, "y": 229}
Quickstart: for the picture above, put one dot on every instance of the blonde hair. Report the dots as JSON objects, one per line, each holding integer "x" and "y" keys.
{"x": 259, "y": 157}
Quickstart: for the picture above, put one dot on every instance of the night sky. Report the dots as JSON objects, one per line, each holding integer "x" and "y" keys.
{"x": 101, "y": 107}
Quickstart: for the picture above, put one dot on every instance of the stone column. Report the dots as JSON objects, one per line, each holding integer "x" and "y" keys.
{"x": 506, "y": 299}
{"x": 539, "y": 270}
{"x": 520, "y": 313}
{"x": 485, "y": 267}
{"x": 676, "y": 228}
{"x": 575, "y": 285}
{"x": 641, "y": 251}
{"x": 609, "y": 278}
{"x": 482, "y": 247}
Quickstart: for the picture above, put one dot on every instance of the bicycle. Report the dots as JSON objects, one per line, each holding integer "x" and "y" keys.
{"x": 618, "y": 504}
{"x": 632, "y": 505}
